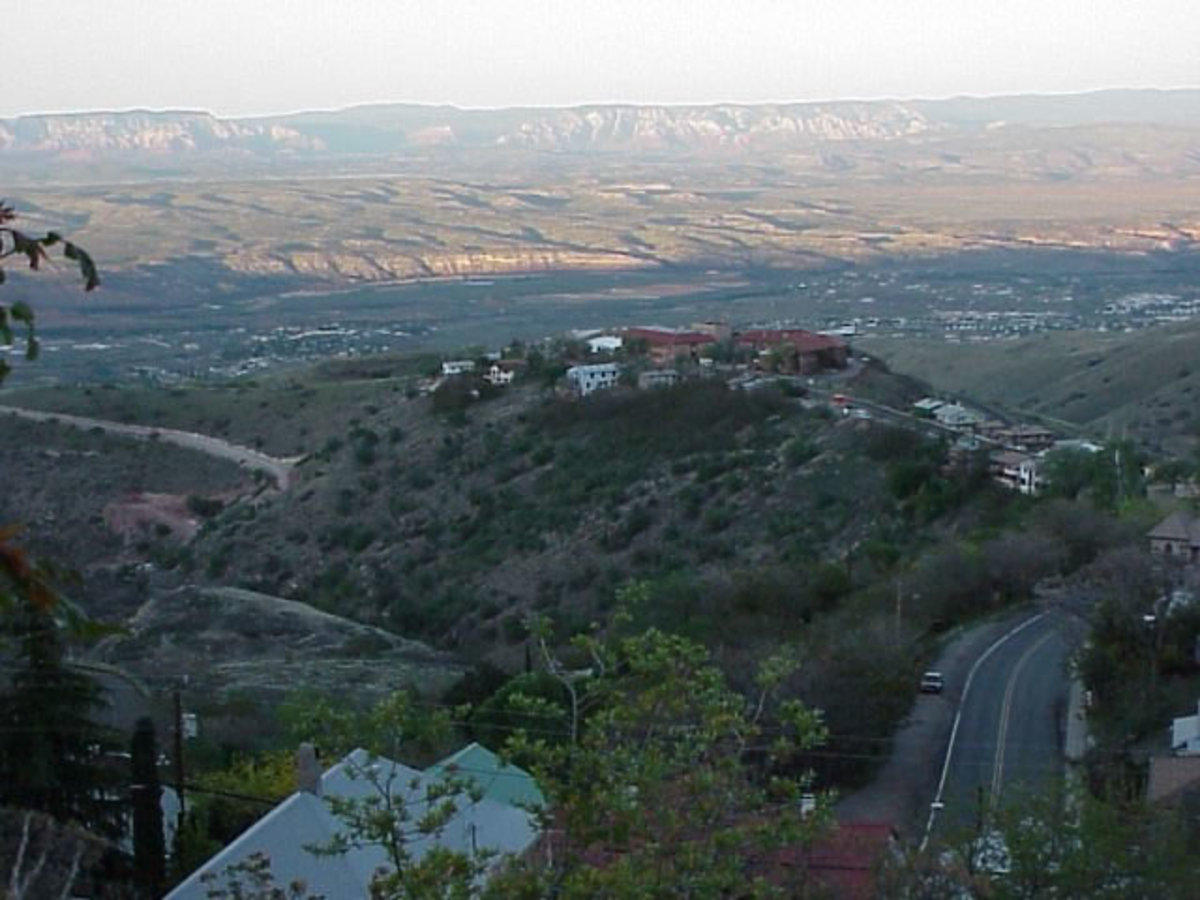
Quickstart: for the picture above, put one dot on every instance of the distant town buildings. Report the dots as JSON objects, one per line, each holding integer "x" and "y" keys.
{"x": 458, "y": 367}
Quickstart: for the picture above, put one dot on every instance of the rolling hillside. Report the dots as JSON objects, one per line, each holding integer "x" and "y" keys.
{"x": 1145, "y": 384}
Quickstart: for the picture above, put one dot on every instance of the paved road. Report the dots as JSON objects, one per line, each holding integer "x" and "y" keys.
{"x": 1007, "y": 738}
{"x": 279, "y": 470}
{"x": 901, "y": 790}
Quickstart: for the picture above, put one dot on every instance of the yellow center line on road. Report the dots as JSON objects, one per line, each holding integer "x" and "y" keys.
{"x": 1006, "y": 715}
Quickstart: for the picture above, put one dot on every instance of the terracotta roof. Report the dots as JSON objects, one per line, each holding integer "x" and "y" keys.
{"x": 845, "y": 862}
{"x": 665, "y": 337}
{"x": 1171, "y": 776}
{"x": 804, "y": 341}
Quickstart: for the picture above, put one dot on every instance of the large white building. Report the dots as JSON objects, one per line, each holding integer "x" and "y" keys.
{"x": 588, "y": 379}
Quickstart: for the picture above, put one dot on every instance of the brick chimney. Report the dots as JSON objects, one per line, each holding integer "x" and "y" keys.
{"x": 308, "y": 769}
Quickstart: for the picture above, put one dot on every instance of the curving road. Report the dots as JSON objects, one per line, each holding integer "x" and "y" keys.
{"x": 279, "y": 470}
{"x": 1007, "y": 737}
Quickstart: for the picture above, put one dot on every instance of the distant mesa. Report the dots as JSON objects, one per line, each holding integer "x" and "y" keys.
{"x": 398, "y": 128}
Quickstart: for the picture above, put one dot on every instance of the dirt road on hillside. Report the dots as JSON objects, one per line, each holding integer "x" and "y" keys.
{"x": 279, "y": 470}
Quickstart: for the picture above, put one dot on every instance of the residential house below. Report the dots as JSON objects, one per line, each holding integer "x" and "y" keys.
{"x": 458, "y": 367}
{"x": 1177, "y": 536}
{"x": 589, "y": 379}
{"x": 1185, "y": 735}
{"x": 655, "y": 378}
{"x": 493, "y": 778}
{"x": 1017, "y": 471}
{"x": 1171, "y": 779}
{"x": 292, "y": 835}
{"x": 843, "y": 863}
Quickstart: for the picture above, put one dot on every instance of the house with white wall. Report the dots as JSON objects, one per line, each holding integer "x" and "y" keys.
{"x": 1185, "y": 735}
{"x": 605, "y": 343}
{"x": 589, "y": 379}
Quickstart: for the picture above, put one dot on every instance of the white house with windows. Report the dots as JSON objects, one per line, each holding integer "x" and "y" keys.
{"x": 589, "y": 379}
{"x": 605, "y": 343}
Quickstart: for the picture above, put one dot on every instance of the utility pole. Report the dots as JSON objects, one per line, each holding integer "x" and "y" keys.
{"x": 179, "y": 769}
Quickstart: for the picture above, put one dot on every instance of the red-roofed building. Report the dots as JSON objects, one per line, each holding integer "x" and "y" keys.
{"x": 845, "y": 863}
{"x": 666, "y": 345}
{"x": 799, "y": 351}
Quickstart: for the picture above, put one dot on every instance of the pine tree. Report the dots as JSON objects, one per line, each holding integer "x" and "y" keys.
{"x": 149, "y": 851}
{"x": 51, "y": 749}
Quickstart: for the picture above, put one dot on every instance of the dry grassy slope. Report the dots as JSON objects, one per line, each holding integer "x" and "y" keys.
{"x": 455, "y": 531}
{"x": 61, "y": 484}
{"x": 228, "y": 640}
{"x": 285, "y": 415}
{"x": 1144, "y": 384}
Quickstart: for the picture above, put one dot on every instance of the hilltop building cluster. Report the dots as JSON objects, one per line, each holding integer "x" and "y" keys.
{"x": 650, "y": 356}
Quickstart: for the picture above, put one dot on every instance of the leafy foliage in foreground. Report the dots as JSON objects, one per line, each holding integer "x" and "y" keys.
{"x": 14, "y": 242}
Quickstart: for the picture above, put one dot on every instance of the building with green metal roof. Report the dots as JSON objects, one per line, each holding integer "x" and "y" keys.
{"x": 495, "y": 779}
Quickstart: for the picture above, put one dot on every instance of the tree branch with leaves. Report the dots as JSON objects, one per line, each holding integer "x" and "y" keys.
{"x": 34, "y": 250}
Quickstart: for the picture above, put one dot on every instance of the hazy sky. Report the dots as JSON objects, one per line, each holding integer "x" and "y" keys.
{"x": 239, "y": 57}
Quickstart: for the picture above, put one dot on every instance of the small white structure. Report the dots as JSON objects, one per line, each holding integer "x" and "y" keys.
{"x": 458, "y": 367}
{"x": 1185, "y": 735}
{"x": 1017, "y": 471}
{"x": 605, "y": 343}
{"x": 499, "y": 375}
{"x": 1076, "y": 445}
{"x": 928, "y": 404}
{"x": 655, "y": 378}
{"x": 589, "y": 379}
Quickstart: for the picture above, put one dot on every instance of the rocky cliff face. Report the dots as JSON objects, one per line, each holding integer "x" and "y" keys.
{"x": 390, "y": 129}
{"x": 631, "y": 128}
{"x": 710, "y": 127}
{"x": 158, "y": 132}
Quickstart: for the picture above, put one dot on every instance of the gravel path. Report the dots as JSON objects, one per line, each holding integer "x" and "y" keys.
{"x": 279, "y": 470}
{"x": 903, "y": 787}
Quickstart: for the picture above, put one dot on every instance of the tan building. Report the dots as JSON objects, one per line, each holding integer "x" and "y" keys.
{"x": 1177, "y": 536}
